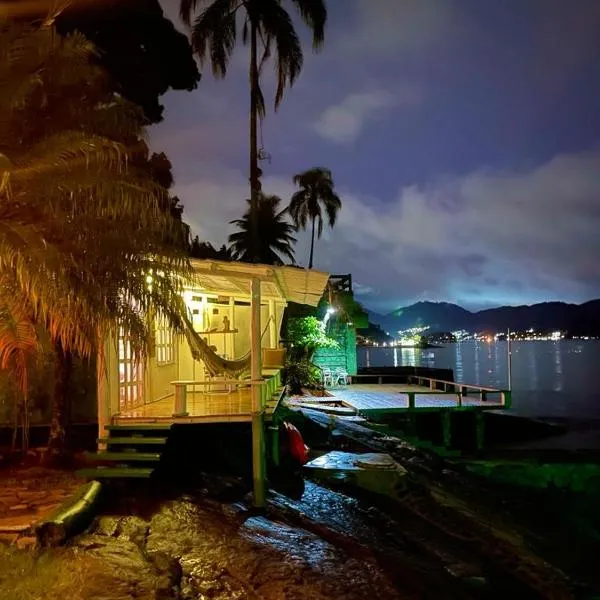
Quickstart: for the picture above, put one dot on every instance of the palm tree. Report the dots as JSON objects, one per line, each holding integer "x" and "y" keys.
{"x": 316, "y": 194}
{"x": 275, "y": 234}
{"x": 214, "y": 35}
{"x": 86, "y": 246}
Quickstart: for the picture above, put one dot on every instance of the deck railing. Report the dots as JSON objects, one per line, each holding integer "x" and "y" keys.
{"x": 442, "y": 386}
{"x": 268, "y": 385}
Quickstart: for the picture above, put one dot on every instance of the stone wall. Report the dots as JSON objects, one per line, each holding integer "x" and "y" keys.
{"x": 343, "y": 357}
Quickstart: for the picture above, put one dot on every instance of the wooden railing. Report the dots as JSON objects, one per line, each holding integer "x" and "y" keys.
{"x": 270, "y": 382}
{"x": 440, "y": 386}
{"x": 461, "y": 389}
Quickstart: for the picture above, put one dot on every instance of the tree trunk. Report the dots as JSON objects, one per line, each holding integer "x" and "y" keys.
{"x": 254, "y": 172}
{"x": 57, "y": 441}
{"x": 312, "y": 245}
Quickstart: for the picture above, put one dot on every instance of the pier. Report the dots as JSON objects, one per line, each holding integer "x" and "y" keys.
{"x": 412, "y": 401}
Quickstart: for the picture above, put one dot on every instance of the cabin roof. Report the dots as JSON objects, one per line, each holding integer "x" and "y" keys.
{"x": 287, "y": 284}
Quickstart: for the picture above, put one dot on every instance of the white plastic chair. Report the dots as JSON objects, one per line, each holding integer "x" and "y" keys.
{"x": 341, "y": 377}
{"x": 327, "y": 377}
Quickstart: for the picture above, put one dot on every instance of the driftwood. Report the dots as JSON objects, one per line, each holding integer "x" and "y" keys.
{"x": 71, "y": 517}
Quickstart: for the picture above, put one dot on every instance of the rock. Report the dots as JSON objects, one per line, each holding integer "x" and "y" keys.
{"x": 119, "y": 570}
{"x": 135, "y": 529}
{"x": 8, "y": 538}
{"x": 25, "y": 542}
{"x": 476, "y": 581}
{"x": 168, "y": 579}
{"x": 463, "y": 570}
{"x": 106, "y": 525}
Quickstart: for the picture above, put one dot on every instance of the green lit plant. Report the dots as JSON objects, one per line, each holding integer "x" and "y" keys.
{"x": 305, "y": 335}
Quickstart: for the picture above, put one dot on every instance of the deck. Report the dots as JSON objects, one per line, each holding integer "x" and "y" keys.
{"x": 215, "y": 408}
{"x": 371, "y": 399}
{"x": 188, "y": 404}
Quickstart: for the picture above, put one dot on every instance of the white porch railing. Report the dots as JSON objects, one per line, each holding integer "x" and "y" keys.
{"x": 270, "y": 382}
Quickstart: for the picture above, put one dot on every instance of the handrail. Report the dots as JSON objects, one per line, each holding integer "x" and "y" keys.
{"x": 455, "y": 383}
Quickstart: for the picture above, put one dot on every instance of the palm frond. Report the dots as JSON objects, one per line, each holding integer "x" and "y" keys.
{"x": 82, "y": 224}
{"x": 277, "y": 28}
{"x": 314, "y": 15}
{"x": 19, "y": 343}
{"x": 214, "y": 34}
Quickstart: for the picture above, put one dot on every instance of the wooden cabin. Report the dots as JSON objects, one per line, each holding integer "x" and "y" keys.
{"x": 227, "y": 370}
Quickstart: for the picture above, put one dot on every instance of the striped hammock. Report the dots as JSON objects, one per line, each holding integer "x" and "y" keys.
{"x": 216, "y": 365}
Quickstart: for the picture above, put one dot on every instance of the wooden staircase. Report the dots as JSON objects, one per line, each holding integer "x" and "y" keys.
{"x": 273, "y": 402}
{"x": 132, "y": 452}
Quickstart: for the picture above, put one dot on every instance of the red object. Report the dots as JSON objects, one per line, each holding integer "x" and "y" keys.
{"x": 297, "y": 448}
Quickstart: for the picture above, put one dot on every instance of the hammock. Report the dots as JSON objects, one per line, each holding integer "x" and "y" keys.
{"x": 215, "y": 364}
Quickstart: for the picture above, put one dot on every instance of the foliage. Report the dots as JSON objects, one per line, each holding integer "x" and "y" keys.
{"x": 81, "y": 228}
{"x": 315, "y": 197}
{"x": 299, "y": 374}
{"x": 215, "y": 33}
{"x": 309, "y": 334}
{"x": 276, "y": 239}
{"x": 206, "y": 250}
{"x": 347, "y": 309}
{"x": 304, "y": 336}
{"x": 138, "y": 46}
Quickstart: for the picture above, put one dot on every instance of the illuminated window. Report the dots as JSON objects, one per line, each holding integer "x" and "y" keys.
{"x": 164, "y": 343}
{"x": 131, "y": 376}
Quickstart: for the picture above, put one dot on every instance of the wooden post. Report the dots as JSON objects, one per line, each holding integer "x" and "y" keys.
{"x": 275, "y": 456}
{"x": 272, "y": 325}
{"x": 103, "y": 392}
{"x": 232, "y": 324}
{"x": 180, "y": 408}
{"x": 479, "y": 429}
{"x": 258, "y": 432}
{"x": 447, "y": 428}
{"x": 509, "y": 366}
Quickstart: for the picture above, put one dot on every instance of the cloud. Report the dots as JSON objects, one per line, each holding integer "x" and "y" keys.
{"x": 386, "y": 27}
{"x": 344, "y": 122}
{"x": 487, "y": 237}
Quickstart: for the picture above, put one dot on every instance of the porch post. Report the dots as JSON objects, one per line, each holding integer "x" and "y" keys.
{"x": 103, "y": 393}
{"x": 272, "y": 325}
{"x": 258, "y": 432}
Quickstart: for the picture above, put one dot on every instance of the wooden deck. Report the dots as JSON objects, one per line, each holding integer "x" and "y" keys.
{"x": 201, "y": 407}
{"x": 368, "y": 399}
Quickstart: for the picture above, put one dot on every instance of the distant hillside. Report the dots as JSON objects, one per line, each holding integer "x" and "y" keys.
{"x": 577, "y": 319}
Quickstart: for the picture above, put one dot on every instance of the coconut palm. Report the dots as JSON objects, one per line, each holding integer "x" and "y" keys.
{"x": 315, "y": 197}
{"x": 275, "y": 233}
{"x": 85, "y": 243}
{"x": 266, "y": 26}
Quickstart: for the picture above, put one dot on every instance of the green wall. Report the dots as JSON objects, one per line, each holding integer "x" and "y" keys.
{"x": 344, "y": 356}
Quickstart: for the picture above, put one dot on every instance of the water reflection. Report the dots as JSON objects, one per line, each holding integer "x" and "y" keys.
{"x": 558, "y": 371}
{"x": 458, "y": 373}
{"x": 532, "y": 367}
{"x": 395, "y": 357}
{"x": 548, "y": 378}
{"x": 409, "y": 358}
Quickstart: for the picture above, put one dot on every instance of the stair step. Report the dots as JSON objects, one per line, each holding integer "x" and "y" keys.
{"x": 140, "y": 427}
{"x": 133, "y": 441}
{"x": 124, "y": 456}
{"x": 115, "y": 473}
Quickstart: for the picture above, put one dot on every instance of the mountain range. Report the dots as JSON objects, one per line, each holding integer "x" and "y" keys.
{"x": 576, "y": 319}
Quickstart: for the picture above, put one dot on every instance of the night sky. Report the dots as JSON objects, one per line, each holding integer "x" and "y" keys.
{"x": 463, "y": 137}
